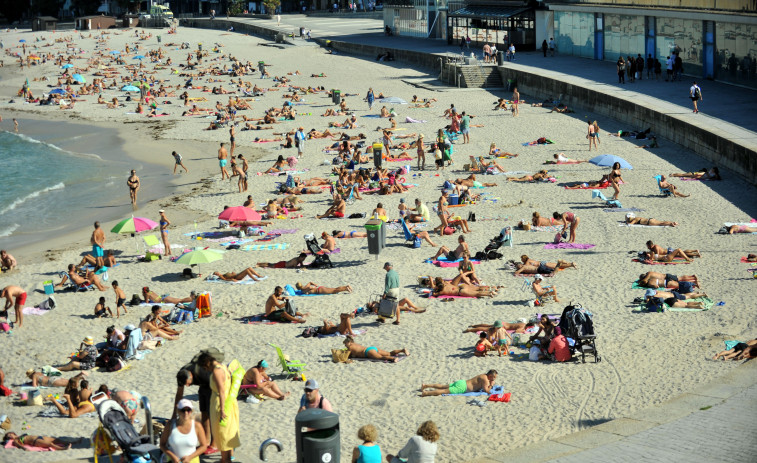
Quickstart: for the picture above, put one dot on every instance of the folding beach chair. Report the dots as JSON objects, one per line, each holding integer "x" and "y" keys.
{"x": 663, "y": 191}
{"x": 609, "y": 202}
{"x": 73, "y": 286}
{"x": 409, "y": 236}
{"x": 541, "y": 300}
{"x": 288, "y": 367}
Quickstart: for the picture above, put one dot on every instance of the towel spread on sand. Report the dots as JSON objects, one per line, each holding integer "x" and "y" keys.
{"x": 354, "y": 333}
{"x": 399, "y": 359}
{"x": 34, "y": 311}
{"x": 245, "y": 281}
{"x": 708, "y": 303}
{"x": 624, "y": 224}
{"x": 237, "y": 242}
{"x": 258, "y": 319}
{"x": 495, "y": 390}
{"x": 544, "y": 141}
{"x": 548, "y": 228}
{"x": 399, "y": 159}
{"x": 677, "y": 260}
{"x": 623, "y": 209}
{"x": 744, "y": 260}
{"x": 568, "y": 246}
{"x": 730, "y": 344}
{"x": 430, "y": 296}
{"x": 747, "y": 224}
{"x": 410, "y": 120}
{"x": 265, "y": 247}
{"x": 31, "y": 448}
{"x": 283, "y": 231}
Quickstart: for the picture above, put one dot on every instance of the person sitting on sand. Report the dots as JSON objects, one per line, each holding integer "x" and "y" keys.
{"x": 157, "y": 326}
{"x": 496, "y": 334}
{"x": 529, "y": 266}
{"x": 84, "y": 359}
{"x": 244, "y": 274}
{"x": 109, "y": 260}
{"x": 561, "y": 159}
{"x": 665, "y": 185}
{"x": 256, "y": 381}
{"x": 344, "y": 327}
{"x": 741, "y": 351}
{"x": 684, "y": 283}
{"x": 546, "y": 329}
{"x": 539, "y": 176}
{"x": 39, "y": 379}
{"x": 741, "y": 229}
{"x": 153, "y": 297}
{"x": 403, "y": 305}
{"x": 337, "y": 209}
{"x": 101, "y": 309}
{"x": 477, "y": 383}
{"x": 312, "y": 288}
{"x": 490, "y": 165}
{"x": 278, "y": 166}
{"x": 674, "y": 299}
{"x": 89, "y": 278}
{"x": 452, "y": 256}
{"x": 298, "y": 261}
{"x": 7, "y": 261}
{"x": 631, "y": 219}
{"x": 358, "y": 351}
{"x": 27, "y": 442}
{"x": 349, "y": 234}
{"x": 76, "y": 396}
{"x": 483, "y": 345}
{"x": 702, "y": 174}
{"x": 443, "y": 288}
{"x": 275, "y": 308}
{"x": 467, "y": 271}
{"x": 543, "y": 291}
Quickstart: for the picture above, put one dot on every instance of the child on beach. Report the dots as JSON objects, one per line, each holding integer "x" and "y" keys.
{"x": 402, "y": 208}
{"x": 482, "y": 345}
{"x": 101, "y": 308}
{"x": 120, "y": 299}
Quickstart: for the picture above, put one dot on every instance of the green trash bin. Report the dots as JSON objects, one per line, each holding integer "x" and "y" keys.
{"x": 376, "y": 236}
{"x": 337, "y": 96}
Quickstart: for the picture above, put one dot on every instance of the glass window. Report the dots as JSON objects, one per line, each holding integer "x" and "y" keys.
{"x": 574, "y": 33}
{"x": 736, "y": 53}
{"x": 684, "y": 36}
{"x": 624, "y": 35}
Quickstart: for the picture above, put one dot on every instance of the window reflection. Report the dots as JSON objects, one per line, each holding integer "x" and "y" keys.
{"x": 736, "y": 53}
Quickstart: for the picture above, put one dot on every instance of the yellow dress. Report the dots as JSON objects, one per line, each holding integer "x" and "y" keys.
{"x": 226, "y": 437}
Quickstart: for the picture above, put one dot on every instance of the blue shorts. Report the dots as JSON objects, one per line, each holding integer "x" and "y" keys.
{"x": 685, "y": 287}
{"x": 97, "y": 251}
{"x": 222, "y": 162}
{"x": 464, "y": 131}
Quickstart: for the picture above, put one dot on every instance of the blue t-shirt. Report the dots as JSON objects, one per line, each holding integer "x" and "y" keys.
{"x": 369, "y": 454}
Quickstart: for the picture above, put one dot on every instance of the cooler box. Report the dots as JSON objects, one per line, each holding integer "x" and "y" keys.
{"x": 454, "y": 200}
{"x": 49, "y": 287}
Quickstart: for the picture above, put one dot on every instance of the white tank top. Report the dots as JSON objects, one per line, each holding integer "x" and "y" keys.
{"x": 183, "y": 444}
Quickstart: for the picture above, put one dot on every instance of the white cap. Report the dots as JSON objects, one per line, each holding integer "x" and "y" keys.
{"x": 630, "y": 215}
{"x": 184, "y": 403}
{"x": 538, "y": 277}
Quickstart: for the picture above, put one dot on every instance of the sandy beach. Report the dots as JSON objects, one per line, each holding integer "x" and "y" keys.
{"x": 646, "y": 358}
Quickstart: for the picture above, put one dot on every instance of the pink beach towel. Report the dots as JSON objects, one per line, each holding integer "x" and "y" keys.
{"x": 34, "y": 311}
{"x": 445, "y": 264}
{"x": 31, "y": 448}
{"x": 743, "y": 259}
{"x": 568, "y": 246}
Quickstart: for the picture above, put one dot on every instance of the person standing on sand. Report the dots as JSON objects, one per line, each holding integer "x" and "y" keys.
{"x": 222, "y": 161}
{"x": 299, "y": 141}
{"x": 465, "y": 127}
{"x": 98, "y": 241}
{"x": 516, "y": 101}
{"x": 695, "y": 93}
{"x": 120, "y": 299}
{"x": 178, "y": 162}
{"x": 164, "y": 223}
{"x": 192, "y": 374}
{"x": 477, "y": 383}
{"x": 10, "y": 293}
{"x": 133, "y": 183}
{"x": 232, "y": 139}
{"x": 592, "y": 136}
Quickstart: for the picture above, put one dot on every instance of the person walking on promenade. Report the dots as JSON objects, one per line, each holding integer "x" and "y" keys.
{"x": 695, "y": 93}
{"x": 552, "y": 46}
{"x": 621, "y": 70}
{"x": 544, "y": 47}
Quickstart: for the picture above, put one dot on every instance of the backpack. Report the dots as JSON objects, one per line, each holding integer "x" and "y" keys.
{"x": 48, "y": 304}
{"x": 623, "y": 66}
{"x": 655, "y": 305}
{"x": 311, "y": 332}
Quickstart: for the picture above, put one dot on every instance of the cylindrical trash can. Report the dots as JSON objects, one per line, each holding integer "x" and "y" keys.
{"x": 302, "y": 31}
{"x": 378, "y": 150}
{"x": 500, "y": 58}
{"x": 317, "y": 434}
{"x": 376, "y": 236}
{"x": 159, "y": 39}
{"x": 199, "y": 46}
{"x": 337, "y": 96}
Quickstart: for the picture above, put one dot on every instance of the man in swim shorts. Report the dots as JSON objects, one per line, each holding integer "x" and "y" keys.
{"x": 223, "y": 160}
{"x": 336, "y": 210}
{"x": 275, "y": 308}
{"x": 14, "y": 292}
{"x": 292, "y": 263}
{"x": 477, "y": 383}
{"x": 97, "y": 240}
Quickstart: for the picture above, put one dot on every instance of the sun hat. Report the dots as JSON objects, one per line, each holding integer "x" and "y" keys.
{"x": 162, "y": 211}
{"x": 538, "y": 277}
{"x": 89, "y": 340}
{"x": 184, "y": 403}
{"x": 498, "y": 324}
{"x": 630, "y": 215}
{"x": 311, "y": 384}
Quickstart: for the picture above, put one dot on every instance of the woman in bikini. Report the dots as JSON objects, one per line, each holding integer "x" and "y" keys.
{"x": 25, "y": 440}
{"x": 604, "y": 182}
{"x": 568, "y": 217}
{"x": 151, "y": 296}
{"x": 615, "y": 179}
{"x": 538, "y": 221}
{"x": 541, "y": 175}
{"x": 231, "y": 276}
{"x": 443, "y": 288}
{"x": 467, "y": 271}
{"x": 631, "y": 219}
{"x": 303, "y": 191}
{"x": 39, "y": 379}
{"x": 278, "y": 166}
{"x": 312, "y": 288}
{"x": 529, "y": 266}
{"x": 77, "y": 396}
{"x": 164, "y": 223}
{"x": 702, "y": 174}
{"x": 349, "y": 234}
{"x": 156, "y": 326}
{"x": 741, "y": 229}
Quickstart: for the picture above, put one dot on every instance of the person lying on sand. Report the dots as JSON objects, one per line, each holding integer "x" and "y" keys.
{"x": 344, "y": 327}
{"x": 39, "y": 379}
{"x": 741, "y": 229}
{"x": 674, "y": 298}
{"x": 702, "y": 174}
{"x": 541, "y": 175}
{"x": 477, "y": 383}
{"x": 87, "y": 279}
{"x": 471, "y": 182}
{"x": 312, "y": 288}
{"x": 543, "y": 291}
{"x": 275, "y": 308}
{"x": 683, "y": 283}
{"x": 303, "y": 191}
{"x": 443, "y": 288}
{"x": 110, "y": 260}
{"x": 499, "y": 328}
{"x": 751, "y": 258}
{"x": 153, "y": 297}
{"x": 298, "y": 261}
{"x": 631, "y": 219}
{"x": 486, "y": 165}
{"x": 256, "y": 381}
{"x": 24, "y": 441}
{"x": 358, "y": 351}
{"x": 741, "y": 351}
{"x": 601, "y": 183}
{"x": 349, "y": 234}
{"x": 665, "y": 185}
{"x": 528, "y": 266}
{"x": 231, "y": 276}
{"x": 561, "y": 159}
{"x": 660, "y": 254}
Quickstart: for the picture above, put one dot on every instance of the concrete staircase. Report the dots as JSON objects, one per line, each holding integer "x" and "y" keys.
{"x": 475, "y": 76}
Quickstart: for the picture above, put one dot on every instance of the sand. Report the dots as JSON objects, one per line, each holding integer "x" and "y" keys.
{"x": 647, "y": 358}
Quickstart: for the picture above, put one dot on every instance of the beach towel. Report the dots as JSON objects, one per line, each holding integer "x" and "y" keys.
{"x": 237, "y": 242}
{"x": 623, "y": 209}
{"x": 30, "y": 448}
{"x": 430, "y": 296}
{"x": 245, "y": 281}
{"x": 539, "y": 141}
{"x": 52, "y": 412}
{"x": 410, "y": 120}
{"x": 568, "y": 246}
{"x": 563, "y": 162}
{"x": 743, "y": 259}
{"x": 677, "y": 260}
{"x": 586, "y": 186}
{"x": 398, "y": 159}
{"x": 34, "y": 311}
{"x": 708, "y": 303}
{"x": 265, "y": 247}
{"x": 624, "y": 224}
{"x": 730, "y": 344}
{"x": 354, "y": 333}
{"x": 292, "y": 291}
{"x": 258, "y": 319}
{"x": 399, "y": 359}
{"x": 495, "y": 390}
{"x": 547, "y": 228}
{"x": 546, "y": 275}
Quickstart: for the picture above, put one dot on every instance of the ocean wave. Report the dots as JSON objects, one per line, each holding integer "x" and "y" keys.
{"x": 18, "y": 202}
{"x": 9, "y": 230}
{"x": 29, "y": 139}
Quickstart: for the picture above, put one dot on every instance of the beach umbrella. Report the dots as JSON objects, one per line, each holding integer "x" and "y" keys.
{"x": 608, "y": 160}
{"x": 392, "y": 100}
{"x": 22, "y": 41}
{"x": 79, "y": 78}
{"x": 134, "y": 225}
{"x": 129, "y": 88}
{"x": 57, "y": 91}
{"x": 66, "y": 66}
{"x": 239, "y": 214}
{"x": 139, "y": 57}
{"x": 200, "y": 256}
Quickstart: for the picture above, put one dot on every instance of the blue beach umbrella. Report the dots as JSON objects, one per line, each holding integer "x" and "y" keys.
{"x": 607, "y": 160}
{"x": 57, "y": 91}
{"x": 66, "y": 66}
{"x": 78, "y": 78}
{"x": 139, "y": 57}
{"x": 22, "y": 41}
{"x": 129, "y": 88}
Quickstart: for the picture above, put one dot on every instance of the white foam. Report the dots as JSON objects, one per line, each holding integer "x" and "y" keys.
{"x": 18, "y": 202}
{"x": 29, "y": 139}
{"x": 8, "y": 231}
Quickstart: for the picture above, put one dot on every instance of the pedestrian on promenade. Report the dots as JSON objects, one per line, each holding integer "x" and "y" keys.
{"x": 552, "y": 46}
{"x": 639, "y": 66}
{"x": 621, "y": 70}
{"x": 544, "y": 47}
{"x": 650, "y": 66}
{"x": 631, "y": 68}
{"x": 695, "y": 93}
{"x": 677, "y": 67}
{"x": 669, "y": 69}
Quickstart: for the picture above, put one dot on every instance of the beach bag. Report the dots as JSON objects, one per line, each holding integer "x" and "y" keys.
{"x": 655, "y": 305}
{"x": 48, "y": 304}
{"x": 417, "y": 242}
{"x": 310, "y": 332}
{"x": 6, "y": 423}
{"x": 340, "y": 356}
{"x": 387, "y": 307}
{"x": 290, "y": 308}
{"x": 534, "y": 353}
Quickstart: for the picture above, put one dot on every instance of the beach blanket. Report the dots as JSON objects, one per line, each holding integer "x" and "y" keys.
{"x": 677, "y": 260}
{"x": 743, "y": 259}
{"x": 30, "y": 448}
{"x": 237, "y": 242}
{"x": 623, "y": 209}
{"x": 265, "y": 247}
{"x": 52, "y": 412}
{"x": 410, "y": 120}
{"x": 524, "y": 275}
{"x": 333, "y": 335}
{"x": 708, "y": 303}
{"x": 258, "y": 319}
{"x": 292, "y": 291}
{"x": 245, "y": 281}
{"x": 495, "y": 390}
{"x": 540, "y": 141}
{"x": 568, "y": 246}
{"x": 563, "y": 162}
{"x": 34, "y": 311}
{"x": 398, "y": 159}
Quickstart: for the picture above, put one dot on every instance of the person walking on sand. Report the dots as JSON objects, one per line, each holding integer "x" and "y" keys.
{"x": 223, "y": 160}
{"x": 178, "y": 162}
{"x": 392, "y": 287}
{"x": 516, "y": 101}
{"x": 592, "y": 136}
{"x": 98, "y": 241}
{"x": 164, "y": 223}
{"x": 133, "y": 183}
{"x": 120, "y": 299}
{"x": 15, "y": 296}
{"x": 370, "y": 98}
{"x": 232, "y": 139}
{"x": 695, "y": 93}
{"x": 477, "y": 383}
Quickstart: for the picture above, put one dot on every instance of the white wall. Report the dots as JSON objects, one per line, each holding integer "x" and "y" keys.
{"x": 545, "y": 26}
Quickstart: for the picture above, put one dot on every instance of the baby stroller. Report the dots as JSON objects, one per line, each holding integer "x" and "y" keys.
{"x": 117, "y": 427}
{"x": 576, "y": 323}
{"x": 490, "y": 251}
{"x": 322, "y": 259}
